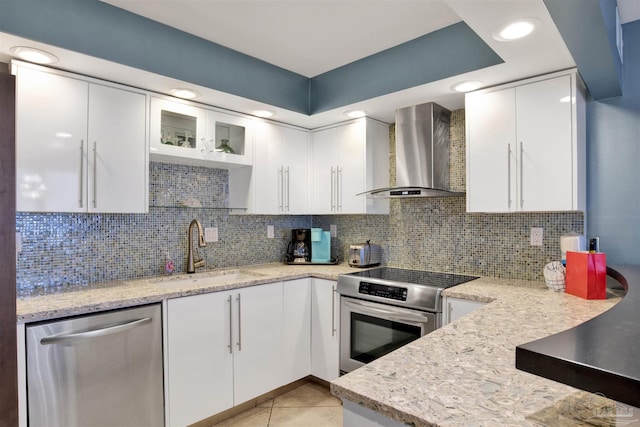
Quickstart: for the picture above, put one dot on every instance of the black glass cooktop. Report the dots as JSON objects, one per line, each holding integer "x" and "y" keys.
{"x": 416, "y": 277}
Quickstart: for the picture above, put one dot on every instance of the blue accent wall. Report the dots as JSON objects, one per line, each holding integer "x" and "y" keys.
{"x": 586, "y": 27}
{"x": 447, "y": 52}
{"x": 104, "y": 31}
{"x": 613, "y": 162}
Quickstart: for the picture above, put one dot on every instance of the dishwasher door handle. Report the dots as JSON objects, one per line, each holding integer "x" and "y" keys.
{"x": 95, "y": 333}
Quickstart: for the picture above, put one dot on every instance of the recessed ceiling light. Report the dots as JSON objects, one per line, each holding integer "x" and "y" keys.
{"x": 355, "y": 114}
{"x": 515, "y": 30}
{"x": 467, "y": 86}
{"x": 263, "y": 113}
{"x": 33, "y": 55}
{"x": 184, "y": 93}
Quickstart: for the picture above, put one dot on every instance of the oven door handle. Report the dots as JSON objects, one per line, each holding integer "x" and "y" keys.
{"x": 372, "y": 308}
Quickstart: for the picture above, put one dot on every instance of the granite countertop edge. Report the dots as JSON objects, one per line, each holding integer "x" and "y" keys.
{"x": 464, "y": 373}
{"x": 79, "y": 300}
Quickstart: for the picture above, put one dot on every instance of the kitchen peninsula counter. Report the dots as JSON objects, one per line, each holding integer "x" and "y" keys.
{"x": 78, "y": 300}
{"x": 464, "y": 374}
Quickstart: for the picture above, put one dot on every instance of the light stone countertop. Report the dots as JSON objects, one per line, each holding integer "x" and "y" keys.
{"x": 78, "y": 300}
{"x": 464, "y": 373}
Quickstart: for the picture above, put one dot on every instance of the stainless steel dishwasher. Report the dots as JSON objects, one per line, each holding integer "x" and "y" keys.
{"x": 99, "y": 370}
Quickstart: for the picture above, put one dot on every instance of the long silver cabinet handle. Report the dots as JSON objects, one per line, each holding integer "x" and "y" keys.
{"x": 333, "y": 184}
{"x": 333, "y": 311}
{"x": 509, "y": 175}
{"x": 96, "y": 333}
{"x": 95, "y": 174}
{"x": 286, "y": 187}
{"x": 338, "y": 189}
{"x": 80, "y": 178}
{"x": 280, "y": 190}
{"x": 521, "y": 175}
{"x": 239, "y": 323}
{"x": 230, "y": 326}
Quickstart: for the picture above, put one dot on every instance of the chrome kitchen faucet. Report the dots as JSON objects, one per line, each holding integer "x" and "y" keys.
{"x": 191, "y": 264}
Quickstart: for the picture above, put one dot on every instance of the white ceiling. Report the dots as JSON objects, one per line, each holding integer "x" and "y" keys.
{"x": 313, "y": 36}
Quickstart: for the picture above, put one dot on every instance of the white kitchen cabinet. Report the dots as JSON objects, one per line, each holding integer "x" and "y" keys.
{"x": 229, "y": 140}
{"x": 80, "y": 146}
{"x": 281, "y": 174}
{"x": 349, "y": 159}
{"x": 223, "y": 349}
{"x": 325, "y": 340}
{"x": 258, "y": 340}
{"x": 455, "y": 308}
{"x": 296, "y": 356}
{"x": 526, "y": 146}
{"x": 185, "y": 133}
{"x": 199, "y": 357}
{"x": 177, "y": 131}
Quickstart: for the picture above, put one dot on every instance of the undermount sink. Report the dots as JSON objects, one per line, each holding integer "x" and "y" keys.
{"x": 225, "y": 277}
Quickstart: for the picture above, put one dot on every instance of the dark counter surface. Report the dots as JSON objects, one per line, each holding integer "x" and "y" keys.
{"x": 601, "y": 355}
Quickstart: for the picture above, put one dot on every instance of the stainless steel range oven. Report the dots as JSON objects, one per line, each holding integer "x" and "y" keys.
{"x": 385, "y": 308}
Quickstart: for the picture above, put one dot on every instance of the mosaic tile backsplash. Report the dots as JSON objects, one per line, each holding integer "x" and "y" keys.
{"x": 426, "y": 233}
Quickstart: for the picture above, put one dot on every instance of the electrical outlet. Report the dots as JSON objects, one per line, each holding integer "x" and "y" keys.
{"x": 536, "y": 236}
{"x": 333, "y": 229}
{"x": 270, "y": 233}
{"x": 211, "y": 234}
{"x": 18, "y": 242}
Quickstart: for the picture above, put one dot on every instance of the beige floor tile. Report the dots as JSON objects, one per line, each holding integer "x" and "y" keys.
{"x": 267, "y": 404}
{"x": 309, "y": 394}
{"x": 255, "y": 417}
{"x": 298, "y": 417}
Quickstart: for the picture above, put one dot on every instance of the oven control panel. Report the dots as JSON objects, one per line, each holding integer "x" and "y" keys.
{"x": 384, "y": 291}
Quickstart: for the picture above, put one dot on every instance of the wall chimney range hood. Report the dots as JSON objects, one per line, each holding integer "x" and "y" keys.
{"x": 422, "y": 154}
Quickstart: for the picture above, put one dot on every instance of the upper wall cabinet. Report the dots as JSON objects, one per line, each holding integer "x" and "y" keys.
{"x": 183, "y": 133}
{"x": 281, "y": 176}
{"x": 349, "y": 159}
{"x": 80, "y": 146}
{"x": 526, "y": 146}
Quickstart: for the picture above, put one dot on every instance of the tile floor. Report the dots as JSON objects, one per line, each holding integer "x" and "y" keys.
{"x": 311, "y": 404}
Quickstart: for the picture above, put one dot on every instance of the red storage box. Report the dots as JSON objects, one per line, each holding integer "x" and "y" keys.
{"x": 586, "y": 275}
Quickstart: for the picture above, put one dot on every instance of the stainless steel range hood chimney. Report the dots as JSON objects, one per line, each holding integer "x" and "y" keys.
{"x": 422, "y": 153}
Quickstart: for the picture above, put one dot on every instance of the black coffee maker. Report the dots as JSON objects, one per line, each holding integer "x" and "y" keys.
{"x": 299, "y": 249}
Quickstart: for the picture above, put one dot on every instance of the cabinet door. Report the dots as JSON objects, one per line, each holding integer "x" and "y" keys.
{"x": 177, "y": 131}
{"x": 268, "y": 172}
{"x": 455, "y": 308}
{"x": 117, "y": 178}
{"x": 296, "y": 356}
{"x": 324, "y": 171}
{"x": 545, "y": 145}
{"x": 258, "y": 341}
{"x": 351, "y": 168}
{"x": 324, "y": 330}
{"x": 51, "y": 142}
{"x": 295, "y": 163}
{"x": 229, "y": 139}
{"x": 491, "y": 151}
{"x": 199, "y": 360}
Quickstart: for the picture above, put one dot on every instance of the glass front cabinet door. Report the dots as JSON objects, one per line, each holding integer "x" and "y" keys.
{"x": 183, "y": 133}
{"x": 177, "y": 131}
{"x": 229, "y": 139}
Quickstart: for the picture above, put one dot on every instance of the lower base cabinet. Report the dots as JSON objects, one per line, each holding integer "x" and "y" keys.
{"x": 222, "y": 348}
{"x": 455, "y": 308}
{"x": 225, "y": 348}
{"x": 325, "y": 341}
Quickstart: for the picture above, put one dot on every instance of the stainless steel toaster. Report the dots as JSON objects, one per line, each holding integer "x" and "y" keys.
{"x": 364, "y": 255}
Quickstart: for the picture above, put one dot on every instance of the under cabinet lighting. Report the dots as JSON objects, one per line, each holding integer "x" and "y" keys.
{"x": 184, "y": 93}
{"x": 515, "y": 30}
{"x": 32, "y": 54}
